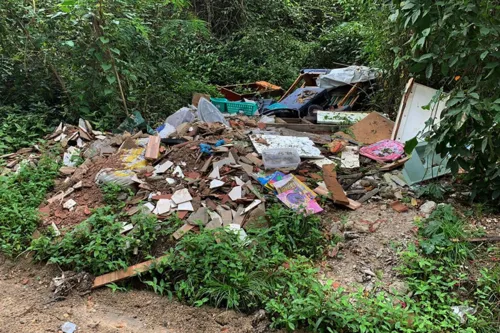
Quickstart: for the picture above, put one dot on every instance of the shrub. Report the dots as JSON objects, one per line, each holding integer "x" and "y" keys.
{"x": 20, "y": 195}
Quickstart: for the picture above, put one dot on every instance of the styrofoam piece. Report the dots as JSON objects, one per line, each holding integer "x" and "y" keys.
{"x": 178, "y": 172}
{"x": 350, "y": 158}
{"x": 281, "y": 158}
{"x": 304, "y": 146}
{"x": 323, "y": 161}
{"x": 339, "y": 117}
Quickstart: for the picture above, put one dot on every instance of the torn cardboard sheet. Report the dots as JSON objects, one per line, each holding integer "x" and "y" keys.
{"x": 304, "y": 146}
{"x": 371, "y": 129}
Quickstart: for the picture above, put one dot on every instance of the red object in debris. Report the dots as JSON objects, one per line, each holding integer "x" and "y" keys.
{"x": 399, "y": 207}
{"x": 182, "y": 214}
{"x": 161, "y": 196}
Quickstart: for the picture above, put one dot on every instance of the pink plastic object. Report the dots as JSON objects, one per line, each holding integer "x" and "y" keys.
{"x": 385, "y": 151}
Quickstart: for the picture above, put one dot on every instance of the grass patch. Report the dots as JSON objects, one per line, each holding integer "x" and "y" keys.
{"x": 20, "y": 196}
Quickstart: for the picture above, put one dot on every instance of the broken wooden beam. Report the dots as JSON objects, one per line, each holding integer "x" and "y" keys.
{"x": 124, "y": 273}
{"x": 333, "y": 186}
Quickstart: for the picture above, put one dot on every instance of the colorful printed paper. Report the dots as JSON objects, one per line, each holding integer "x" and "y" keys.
{"x": 300, "y": 201}
{"x": 384, "y": 151}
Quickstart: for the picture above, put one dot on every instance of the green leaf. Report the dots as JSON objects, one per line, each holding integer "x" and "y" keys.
{"x": 407, "y": 5}
{"x": 70, "y": 43}
{"x": 104, "y": 40}
{"x": 106, "y": 67}
{"x": 426, "y": 32}
{"x": 483, "y": 55}
{"x": 425, "y": 56}
{"x": 410, "y": 145}
{"x": 483, "y": 144}
{"x": 428, "y": 70}
{"x": 115, "y": 50}
{"x": 111, "y": 79}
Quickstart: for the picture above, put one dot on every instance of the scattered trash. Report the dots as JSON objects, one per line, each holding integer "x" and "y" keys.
{"x": 420, "y": 107}
{"x": 427, "y": 208}
{"x": 303, "y": 145}
{"x": 280, "y": 158}
{"x": 330, "y": 117}
{"x": 350, "y": 158}
{"x": 347, "y": 76}
{"x": 208, "y": 113}
{"x": 461, "y": 311}
{"x": 68, "y": 327}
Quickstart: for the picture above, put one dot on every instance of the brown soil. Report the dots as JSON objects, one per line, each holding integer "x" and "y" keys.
{"x": 27, "y": 307}
{"x": 369, "y": 260}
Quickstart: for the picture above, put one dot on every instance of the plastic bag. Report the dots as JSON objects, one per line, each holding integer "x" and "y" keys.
{"x": 209, "y": 113}
{"x": 124, "y": 178}
{"x": 135, "y": 121}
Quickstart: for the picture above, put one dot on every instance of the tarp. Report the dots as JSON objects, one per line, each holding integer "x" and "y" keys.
{"x": 346, "y": 76}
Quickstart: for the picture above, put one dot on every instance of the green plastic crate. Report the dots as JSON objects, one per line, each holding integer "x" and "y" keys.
{"x": 220, "y": 103}
{"x": 247, "y": 108}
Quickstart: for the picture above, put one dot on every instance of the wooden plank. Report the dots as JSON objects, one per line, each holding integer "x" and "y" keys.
{"x": 292, "y": 87}
{"x": 123, "y": 274}
{"x": 394, "y": 165}
{"x": 153, "y": 147}
{"x": 478, "y": 240}
{"x": 351, "y": 91}
{"x": 333, "y": 186}
{"x": 182, "y": 230}
{"x": 310, "y": 128}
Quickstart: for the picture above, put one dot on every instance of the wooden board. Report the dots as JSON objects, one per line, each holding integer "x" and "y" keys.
{"x": 153, "y": 147}
{"x": 372, "y": 129}
{"x": 333, "y": 186}
{"x": 310, "y": 128}
{"x": 123, "y": 274}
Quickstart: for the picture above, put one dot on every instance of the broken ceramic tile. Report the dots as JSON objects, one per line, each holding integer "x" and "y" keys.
{"x": 214, "y": 174}
{"x": 235, "y": 193}
{"x": 186, "y": 206}
{"x": 216, "y": 183}
{"x": 181, "y": 196}
{"x": 163, "y": 206}
{"x": 70, "y": 204}
{"x": 162, "y": 168}
{"x": 239, "y": 182}
{"x": 254, "y": 204}
{"x": 178, "y": 172}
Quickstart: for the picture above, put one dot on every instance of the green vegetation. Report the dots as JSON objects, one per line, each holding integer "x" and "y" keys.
{"x": 216, "y": 267}
{"x": 20, "y": 195}
{"x": 97, "y": 245}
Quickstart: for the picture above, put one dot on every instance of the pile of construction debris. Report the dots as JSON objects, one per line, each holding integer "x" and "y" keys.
{"x": 221, "y": 170}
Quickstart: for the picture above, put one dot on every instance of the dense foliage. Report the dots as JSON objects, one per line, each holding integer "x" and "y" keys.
{"x": 20, "y": 195}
